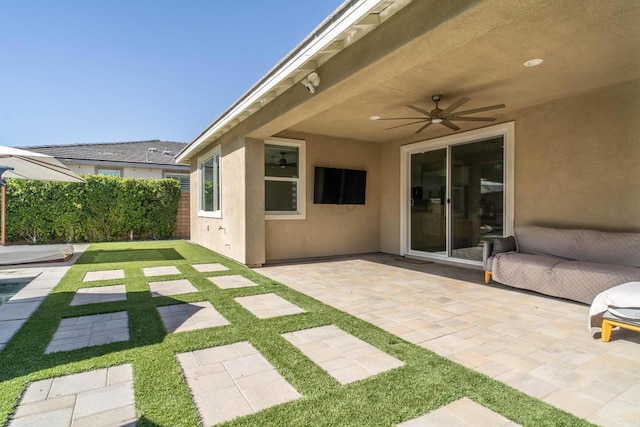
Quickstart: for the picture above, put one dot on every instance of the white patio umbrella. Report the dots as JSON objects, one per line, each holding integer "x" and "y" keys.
{"x": 23, "y": 164}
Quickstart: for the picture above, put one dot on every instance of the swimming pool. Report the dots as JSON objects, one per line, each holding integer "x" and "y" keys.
{"x": 10, "y": 287}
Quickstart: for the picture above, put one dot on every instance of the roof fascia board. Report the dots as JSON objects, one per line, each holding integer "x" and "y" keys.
{"x": 299, "y": 57}
{"x": 123, "y": 164}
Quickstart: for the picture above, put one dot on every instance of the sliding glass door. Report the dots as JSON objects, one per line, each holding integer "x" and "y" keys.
{"x": 457, "y": 198}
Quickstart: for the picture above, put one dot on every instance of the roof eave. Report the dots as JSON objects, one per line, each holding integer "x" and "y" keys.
{"x": 351, "y": 18}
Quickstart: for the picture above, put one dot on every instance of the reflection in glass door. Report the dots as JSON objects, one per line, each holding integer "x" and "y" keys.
{"x": 428, "y": 197}
{"x": 477, "y": 196}
{"x": 457, "y": 198}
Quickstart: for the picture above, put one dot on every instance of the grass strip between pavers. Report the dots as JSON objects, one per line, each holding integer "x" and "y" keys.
{"x": 162, "y": 397}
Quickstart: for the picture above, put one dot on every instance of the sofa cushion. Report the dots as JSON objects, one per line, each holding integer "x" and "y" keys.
{"x": 526, "y": 271}
{"x": 575, "y": 280}
{"x": 582, "y": 281}
{"x": 583, "y": 245}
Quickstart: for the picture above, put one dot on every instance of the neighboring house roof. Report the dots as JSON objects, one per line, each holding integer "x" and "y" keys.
{"x": 152, "y": 154}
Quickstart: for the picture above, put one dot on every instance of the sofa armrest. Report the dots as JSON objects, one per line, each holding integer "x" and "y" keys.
{"x": 487, "y": 248}
{"x": 499, "y": 245}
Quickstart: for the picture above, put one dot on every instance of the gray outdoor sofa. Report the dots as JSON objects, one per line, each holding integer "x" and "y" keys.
{"x": 571, "y": 264}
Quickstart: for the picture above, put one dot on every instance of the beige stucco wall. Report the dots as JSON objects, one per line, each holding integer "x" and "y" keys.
{"x": 577, "y": 164}
{"x": 578, "y": 161}
{"x": 331, "y": 229}
{"x": 228, "y": 235}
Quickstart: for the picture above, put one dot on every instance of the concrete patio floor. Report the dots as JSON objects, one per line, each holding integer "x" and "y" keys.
{"x": 536, "y": 344}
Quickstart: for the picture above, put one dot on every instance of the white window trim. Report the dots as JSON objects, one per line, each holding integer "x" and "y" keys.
{"x": 301, "y": 212}
{"x": 203, "y": 159}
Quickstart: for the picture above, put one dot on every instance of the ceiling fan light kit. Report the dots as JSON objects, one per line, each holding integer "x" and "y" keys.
{"x": 444, "y": 117}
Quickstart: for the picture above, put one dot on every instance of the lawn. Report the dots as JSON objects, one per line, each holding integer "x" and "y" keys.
{"x": 426, "y": 381}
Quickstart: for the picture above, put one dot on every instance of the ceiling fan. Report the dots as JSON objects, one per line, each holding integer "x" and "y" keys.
{"x": 282, "y": 161}
{"x": 444, "y": 117}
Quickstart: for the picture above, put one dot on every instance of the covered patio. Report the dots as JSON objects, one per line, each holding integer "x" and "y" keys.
{"x": 536, "y": 344}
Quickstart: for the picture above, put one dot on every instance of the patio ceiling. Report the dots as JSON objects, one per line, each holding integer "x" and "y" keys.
{"x": 479, "y": 53}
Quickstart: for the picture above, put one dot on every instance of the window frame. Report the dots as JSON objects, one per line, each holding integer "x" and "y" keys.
{"x": 211, "y": 155}
{"x": 301, "y": 180}
{"x": 109, "y": 172}
{"x": 181, "y": 175}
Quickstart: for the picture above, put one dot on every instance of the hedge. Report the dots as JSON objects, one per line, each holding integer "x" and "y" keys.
{"x": 106, "y": 208}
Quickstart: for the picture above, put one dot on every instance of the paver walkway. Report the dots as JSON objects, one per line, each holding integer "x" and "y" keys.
{"x": 233, "y": 380}
{"x": 102, "y": 397}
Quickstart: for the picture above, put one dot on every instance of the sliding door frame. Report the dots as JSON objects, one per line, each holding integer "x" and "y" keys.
{"x": 506, "y": 130}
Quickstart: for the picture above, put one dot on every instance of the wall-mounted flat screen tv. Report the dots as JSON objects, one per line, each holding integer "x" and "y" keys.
{"x": 335, "y": 186}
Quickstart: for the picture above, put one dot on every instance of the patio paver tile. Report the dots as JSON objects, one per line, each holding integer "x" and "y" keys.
{"x": 341, "y": 350}
{"x": 160, "y": 271}
{"x": 232, "y": 281}
{"x": 99, "y": 294}
{"x": 92, "y": 276}
{"x": 265, "y": 306}
{"x": 464, "y": 413}
{"x": 189, "y": 317}
{"x": 79, "y": 399}
{"x": 208, "y": 268}
{"x": 97, "y": 329}
{"x": 247, "y": 384}
{"x": 171, "y": 287}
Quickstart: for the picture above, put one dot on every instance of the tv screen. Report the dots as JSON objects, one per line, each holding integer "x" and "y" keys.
{"x": 339, "y": 186}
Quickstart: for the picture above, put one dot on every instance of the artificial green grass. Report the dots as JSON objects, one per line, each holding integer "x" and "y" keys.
{"x": 426, "y": 381}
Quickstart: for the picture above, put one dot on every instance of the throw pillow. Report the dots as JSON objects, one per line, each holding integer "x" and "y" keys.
{"x": 503, "y": 244}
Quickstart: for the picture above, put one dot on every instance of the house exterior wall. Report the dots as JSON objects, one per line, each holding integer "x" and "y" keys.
{"x": 578, "y": 161}
{"x": 142, "y": 173}
{"x": 331, "y": 229}
{"x": 576, "y": 165}
{"x": 239, "y": 233}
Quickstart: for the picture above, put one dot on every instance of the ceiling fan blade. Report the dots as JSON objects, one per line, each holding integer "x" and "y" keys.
{"x": 477, "y": 110}
{"x": 400, "y": 118}
{"x": 424, "y": 127}
{"x": 419, "y": 110}
{"x": 450, "y": 125}
{"x": 454, "y": 106}
{"x": 474, "y": 119}
{"x": 407, "y": 124}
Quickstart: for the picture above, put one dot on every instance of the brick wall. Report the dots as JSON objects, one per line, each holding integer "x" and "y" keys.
{"x": 183, "y": 226}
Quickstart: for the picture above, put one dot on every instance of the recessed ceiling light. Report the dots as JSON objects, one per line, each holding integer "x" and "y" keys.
{"x": 374, "y": 118}
{"x": 533, "y": 62}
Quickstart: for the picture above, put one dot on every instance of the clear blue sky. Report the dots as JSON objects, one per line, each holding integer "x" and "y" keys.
{"x": 76, "y": 71}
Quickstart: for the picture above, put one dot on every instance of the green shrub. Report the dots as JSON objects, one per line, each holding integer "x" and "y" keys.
{"x": 106, "y": 208}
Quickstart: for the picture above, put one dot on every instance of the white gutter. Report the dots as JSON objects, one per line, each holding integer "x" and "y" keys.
{"x": 300, "y": 59}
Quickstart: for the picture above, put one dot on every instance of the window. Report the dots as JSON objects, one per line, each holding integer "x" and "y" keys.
{"x": 109, "y": 172}
{"x": 284, "y": 175}
{"x": 182, "y": 178}
{"x": 209, "y": 174}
